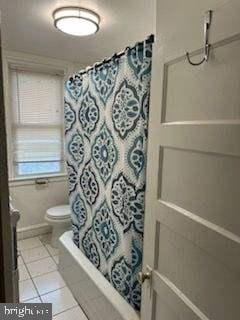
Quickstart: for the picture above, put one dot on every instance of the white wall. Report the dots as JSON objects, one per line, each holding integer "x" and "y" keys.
{"x": 33, "y": 200}
{"x": 29, "y": 198}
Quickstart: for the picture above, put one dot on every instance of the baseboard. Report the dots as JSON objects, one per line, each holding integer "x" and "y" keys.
{"x": 33, "y": 231}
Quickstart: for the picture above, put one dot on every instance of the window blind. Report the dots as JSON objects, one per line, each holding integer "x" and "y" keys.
{"x": 37, "y": 101}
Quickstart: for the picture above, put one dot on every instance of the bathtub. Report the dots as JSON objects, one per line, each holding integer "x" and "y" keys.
{"x": 95, "y": 295}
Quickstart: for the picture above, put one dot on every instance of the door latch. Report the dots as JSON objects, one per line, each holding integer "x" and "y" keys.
{"x": 142, "y": 276}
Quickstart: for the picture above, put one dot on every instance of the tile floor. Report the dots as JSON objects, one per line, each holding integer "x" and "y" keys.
{"x": 40, "y": 281}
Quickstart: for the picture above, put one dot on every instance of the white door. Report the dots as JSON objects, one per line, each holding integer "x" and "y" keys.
{"x": 192, "y": 227}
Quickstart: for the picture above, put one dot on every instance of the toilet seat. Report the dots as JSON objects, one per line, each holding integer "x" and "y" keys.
{"x": 59, "y": 212}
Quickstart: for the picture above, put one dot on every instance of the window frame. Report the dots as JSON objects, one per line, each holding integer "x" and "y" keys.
{"x": 44, "y": 174}
{"x": 39, "y": 65}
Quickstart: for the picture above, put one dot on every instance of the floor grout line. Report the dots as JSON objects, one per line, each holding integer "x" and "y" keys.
{"x": 36, "y": 260}
{"x": 33, "y": 282}
{"x": 33, "y": 247}
{"x": 31, "y": 278}
{"x": 49, "y": 251}
{"x": 43, "y": 274}
{"x": 19, "y": 266}
{"x": 21, "y": 250}
{"x": 40, "y": 259}
{"x": 55, "y": 261}
{"x": 52, "y": 256}
{"x": 43, "y": 244}
{"x": 77, "y": 305}
{"x": 53, "y": 290}
{"x": 26, "y": 301}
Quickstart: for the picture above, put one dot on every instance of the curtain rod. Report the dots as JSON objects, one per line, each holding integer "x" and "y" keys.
{"x": 150, "y": 39}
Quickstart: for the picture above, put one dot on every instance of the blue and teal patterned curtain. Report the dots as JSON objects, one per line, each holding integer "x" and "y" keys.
{"x": 106, "y": 117}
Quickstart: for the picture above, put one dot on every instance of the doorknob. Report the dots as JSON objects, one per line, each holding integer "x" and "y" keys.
{"x": 142, "y": 276}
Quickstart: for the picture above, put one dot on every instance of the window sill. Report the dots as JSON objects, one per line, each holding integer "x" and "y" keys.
{"x": 20, "y": 181}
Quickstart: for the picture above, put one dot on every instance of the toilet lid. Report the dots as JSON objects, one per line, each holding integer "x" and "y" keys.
{"x": 59, "y": 212}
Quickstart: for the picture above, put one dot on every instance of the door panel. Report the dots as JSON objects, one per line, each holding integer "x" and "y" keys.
{"x": 200, "y": 172}
{"x": 192, "y": 226}
{"x": 164, "y": 312}
{"x": 169, "y": 306}
{"x": 190, "y": 94}
{"x": 194, "y": 272}
{"x": 216, "y": 241}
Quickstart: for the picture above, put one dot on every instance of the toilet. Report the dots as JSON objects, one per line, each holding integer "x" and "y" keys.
{"x": 59, "y": 218}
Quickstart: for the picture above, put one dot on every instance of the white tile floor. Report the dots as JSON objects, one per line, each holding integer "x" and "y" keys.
{"x": 40, "y": 280}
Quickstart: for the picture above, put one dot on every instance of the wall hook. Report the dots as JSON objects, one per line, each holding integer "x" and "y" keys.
{"x": 207, "y": 24}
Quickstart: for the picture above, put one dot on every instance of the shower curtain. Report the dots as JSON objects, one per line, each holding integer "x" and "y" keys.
{"x": 106, "y": 128}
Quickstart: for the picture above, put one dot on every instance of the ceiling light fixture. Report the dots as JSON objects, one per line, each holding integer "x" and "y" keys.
{"x": 76, "y": 21}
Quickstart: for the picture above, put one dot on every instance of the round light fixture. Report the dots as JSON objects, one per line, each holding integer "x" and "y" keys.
{"x": 76, "y": 21}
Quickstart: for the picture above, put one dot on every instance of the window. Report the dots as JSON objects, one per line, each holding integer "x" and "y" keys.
{"x": 37, "y": 123}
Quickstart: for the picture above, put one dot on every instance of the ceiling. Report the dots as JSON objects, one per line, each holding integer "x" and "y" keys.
{"x": 27, "y": 26}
